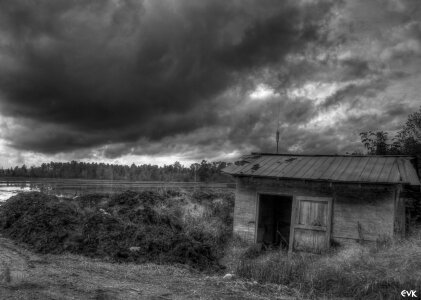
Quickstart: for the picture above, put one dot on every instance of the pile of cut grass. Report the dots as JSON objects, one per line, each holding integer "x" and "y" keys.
{"x": 357, "y": 271}
{"x": 130, "y": 227}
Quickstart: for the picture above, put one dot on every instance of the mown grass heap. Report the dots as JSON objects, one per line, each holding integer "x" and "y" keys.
{"x": 166, "y": 227}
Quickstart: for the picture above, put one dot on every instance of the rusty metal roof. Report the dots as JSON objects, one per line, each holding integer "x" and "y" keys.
{"x": 343, "y": 168}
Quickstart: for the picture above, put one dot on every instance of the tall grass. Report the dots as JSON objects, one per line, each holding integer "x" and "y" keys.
{"x": 379, "y": 271}
{"x": 274, "y": 267}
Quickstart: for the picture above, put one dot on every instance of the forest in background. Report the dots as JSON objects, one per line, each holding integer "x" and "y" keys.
{"x": 204, "y": 172}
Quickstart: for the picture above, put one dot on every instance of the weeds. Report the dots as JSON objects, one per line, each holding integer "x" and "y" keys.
{"x": 274, "y": 267}
{"x": 364, "y": 272}
{"x": 252, "y": 251}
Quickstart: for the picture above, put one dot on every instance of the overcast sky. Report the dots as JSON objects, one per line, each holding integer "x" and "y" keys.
{"x": 157, "y": 81}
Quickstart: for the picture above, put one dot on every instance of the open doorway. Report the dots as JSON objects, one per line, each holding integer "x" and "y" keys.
{"x": 274, "y": 220}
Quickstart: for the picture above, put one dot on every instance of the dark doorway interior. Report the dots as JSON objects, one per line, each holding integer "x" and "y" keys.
{"x": 274, "y": 220}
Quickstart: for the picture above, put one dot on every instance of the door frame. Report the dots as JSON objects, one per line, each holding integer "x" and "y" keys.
{"x": 258, "y": 194}
{"x": 295, "y": 207}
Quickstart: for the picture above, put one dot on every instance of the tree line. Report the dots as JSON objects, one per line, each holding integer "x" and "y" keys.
{"x": 407, "y": 140}
{"x": 204, "y": 172}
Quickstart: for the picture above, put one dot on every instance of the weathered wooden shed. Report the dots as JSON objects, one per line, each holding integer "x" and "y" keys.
{"x": 309, "y": 201}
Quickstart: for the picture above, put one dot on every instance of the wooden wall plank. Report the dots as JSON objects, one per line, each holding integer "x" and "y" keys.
{"x": 371, "y": 206}
{"x": 292, "y": 228}
{"x": 309, "y": 240}
{"x": 365, "y": 214}
{"x": 245, "y": 212}
{"x": 310, "y": 227}
{"x": 399, "y": 226}
{"x": 329, "y": 222}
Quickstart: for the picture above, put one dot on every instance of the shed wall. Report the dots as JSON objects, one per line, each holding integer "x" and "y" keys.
{"x": 245, "y": 212}
{"x": 359, "y": 211}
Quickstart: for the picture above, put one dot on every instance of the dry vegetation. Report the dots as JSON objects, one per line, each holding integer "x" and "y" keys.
{"x": 190, "y": 232}
{"x": 35, "y": 276}
{"x": 379, "y": 271}
{"x": 162, "y": 227}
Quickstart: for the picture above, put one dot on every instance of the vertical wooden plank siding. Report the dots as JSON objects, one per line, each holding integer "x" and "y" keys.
{"x": 245, "y": 210}
{"x": 365, "y": 213}
{"x": 291, "y": 230}
{"x": 356, "y": 209}
{"x": 399, "y": 225}
{"x": 310, "y": 231}
{"x": 312, "y": 212}
{"x": 329, "y": 222}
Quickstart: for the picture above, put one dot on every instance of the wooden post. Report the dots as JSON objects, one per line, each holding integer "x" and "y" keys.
{"x": 292, "y": 225}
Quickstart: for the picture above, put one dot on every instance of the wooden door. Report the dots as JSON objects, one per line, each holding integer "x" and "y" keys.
{"x": 310, "y": 224}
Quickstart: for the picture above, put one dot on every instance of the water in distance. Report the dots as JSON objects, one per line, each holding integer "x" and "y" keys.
{"x": 75, "y": 187}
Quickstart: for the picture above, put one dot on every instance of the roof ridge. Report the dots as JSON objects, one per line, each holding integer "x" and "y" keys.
{"x": 325, "y": 155}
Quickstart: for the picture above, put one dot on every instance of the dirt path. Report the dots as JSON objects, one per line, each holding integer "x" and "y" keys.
{"x": 35, "y": 276}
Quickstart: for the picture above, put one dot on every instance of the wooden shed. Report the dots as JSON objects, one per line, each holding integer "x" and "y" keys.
{"x": 306, "y": 202}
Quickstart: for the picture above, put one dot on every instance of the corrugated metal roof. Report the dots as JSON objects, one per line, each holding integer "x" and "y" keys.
{"x": 373, "y": 169}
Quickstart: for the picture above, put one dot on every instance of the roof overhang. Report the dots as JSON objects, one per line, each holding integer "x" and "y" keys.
{"x": 390, "y": 169}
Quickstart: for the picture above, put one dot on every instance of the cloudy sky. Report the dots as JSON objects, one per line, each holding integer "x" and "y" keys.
{"x": 156, "y": 81}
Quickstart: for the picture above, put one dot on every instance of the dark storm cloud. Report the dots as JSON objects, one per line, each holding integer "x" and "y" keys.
{"x": 81, "y": 74}
{"x": 354, "y": 93}
{"x": 107, "y": 79}
{"x": 355, "y": 68}
{"x": 249, "y": 128}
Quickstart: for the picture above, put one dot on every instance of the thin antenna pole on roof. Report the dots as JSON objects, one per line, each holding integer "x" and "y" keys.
{"x": 277, "y": 128}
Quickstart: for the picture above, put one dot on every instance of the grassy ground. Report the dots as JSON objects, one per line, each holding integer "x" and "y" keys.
{"x": 379, "y": 271}
{"x": 26, "y": 275}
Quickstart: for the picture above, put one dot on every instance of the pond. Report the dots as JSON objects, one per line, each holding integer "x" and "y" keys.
{"x": 76, "y": 187}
